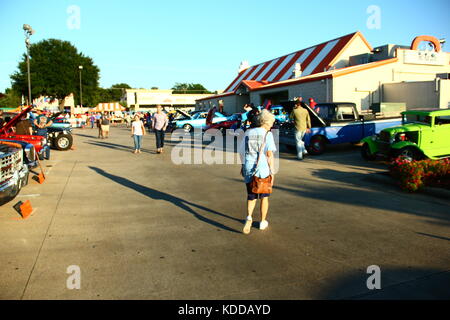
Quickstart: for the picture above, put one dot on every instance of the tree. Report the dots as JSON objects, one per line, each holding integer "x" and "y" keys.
{"x": 54, "y": 72}
{"x": 185, "y": 88}
{"x": 118, "y": 90}
{"x": 11, "y": 99}
{"x": 113, "y": 94}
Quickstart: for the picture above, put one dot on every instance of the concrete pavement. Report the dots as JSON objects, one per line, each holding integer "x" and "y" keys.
{"x": 140, "y": 227}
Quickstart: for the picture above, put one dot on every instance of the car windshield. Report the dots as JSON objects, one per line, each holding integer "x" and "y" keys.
{"x": 417, "y": 118}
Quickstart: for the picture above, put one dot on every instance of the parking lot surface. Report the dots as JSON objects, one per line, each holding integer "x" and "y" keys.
{"x": 141, "y": 227}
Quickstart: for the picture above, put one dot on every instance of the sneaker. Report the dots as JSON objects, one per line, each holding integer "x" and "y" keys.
{"x": 248, "y": 225}
{"x": 263, "y": 225}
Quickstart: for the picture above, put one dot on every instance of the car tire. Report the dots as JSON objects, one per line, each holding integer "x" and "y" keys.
{"x": 317, "y": 145}
{"x": 410, "y": 152}
{"x": 63, "y": 142}
{"x": 366, "y": 154}
{"x": 187, "y": 128}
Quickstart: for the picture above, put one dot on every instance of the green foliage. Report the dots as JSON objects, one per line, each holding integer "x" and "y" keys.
{"x": 185, "y": 88}
{"x": 113, "y": 94}
{"x": 413, "y": 175}
{"x": 54, "y": 70}
{"x": 11, "y": 100}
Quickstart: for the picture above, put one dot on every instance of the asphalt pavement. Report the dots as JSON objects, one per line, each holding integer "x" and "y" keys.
{"x": 142, "y": 227}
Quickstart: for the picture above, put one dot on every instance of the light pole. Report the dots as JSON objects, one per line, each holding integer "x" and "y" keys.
{"x": 28, "y": 32}
{"x": 81, "y": 88}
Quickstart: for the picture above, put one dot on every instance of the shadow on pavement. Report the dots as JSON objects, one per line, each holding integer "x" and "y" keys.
{"x": 372, "y": 199}
{"x": 116, "y": 146}
{"x": 424, "y": 284}
{"x": 159, "y": 195}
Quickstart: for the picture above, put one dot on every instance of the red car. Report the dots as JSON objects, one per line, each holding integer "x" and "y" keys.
{"x": 40, "y": 143}
{"x": 233, "y": 122}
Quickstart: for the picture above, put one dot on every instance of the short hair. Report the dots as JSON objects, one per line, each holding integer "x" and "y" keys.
{"x": 265, "y": 117}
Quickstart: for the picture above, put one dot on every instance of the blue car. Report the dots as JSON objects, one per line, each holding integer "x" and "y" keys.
{"x": 196, "y": 121}
{"x": 280, "y": 113}
{"x": 335, "y": 123}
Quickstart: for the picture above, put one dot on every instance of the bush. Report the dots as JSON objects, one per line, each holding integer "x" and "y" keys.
{"x": 413, "y": 175}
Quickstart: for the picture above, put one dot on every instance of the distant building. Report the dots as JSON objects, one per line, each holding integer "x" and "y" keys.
{"x": 148, "y": 99}
{"x": 46, "y": 103}
{"x": 346, "y": 69}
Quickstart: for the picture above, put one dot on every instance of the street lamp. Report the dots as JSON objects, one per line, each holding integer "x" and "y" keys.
{"x": 28, "y": 32}
{"x": 81, "y": 89}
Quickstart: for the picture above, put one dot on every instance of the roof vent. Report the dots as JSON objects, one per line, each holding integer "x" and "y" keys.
{"x": 297, "y": 72}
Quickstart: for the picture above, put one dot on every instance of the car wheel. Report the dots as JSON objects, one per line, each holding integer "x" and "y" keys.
{"x": 63, "y": 142}
{"x": 410, "y": 153}
{"x": 317, "y": 145}
{"x": 187, "y": 128}
{"x": 366, "y": 154}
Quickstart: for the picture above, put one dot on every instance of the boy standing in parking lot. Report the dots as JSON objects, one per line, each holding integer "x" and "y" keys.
{"x": 302, "y": 123}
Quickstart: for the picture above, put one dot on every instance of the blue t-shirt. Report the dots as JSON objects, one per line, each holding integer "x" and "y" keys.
{"x": 249, "y": 151}
{"x": 42, "y": 120}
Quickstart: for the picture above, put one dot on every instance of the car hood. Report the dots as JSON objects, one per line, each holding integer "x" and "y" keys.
{"x": 14, "y": 120}
{"x": 406, "y": 128}
{"x": 184, "y": 113}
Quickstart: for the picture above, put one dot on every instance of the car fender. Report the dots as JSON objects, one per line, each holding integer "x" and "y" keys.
{"x": 373, "y": 145}
{"x": 404, "y": 144}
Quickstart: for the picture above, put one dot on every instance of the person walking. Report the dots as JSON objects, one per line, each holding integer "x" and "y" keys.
{"x": 302, "y": 123}
{"x": 137, "y": 131}
{"x": 257, "y": 156}
{"x": 92, "y": 120}
{"x": 98, "y": 119}
{"x": 128, "y": 120}
{"x": 159, "y": 124}
{"x": 105, "y": 121}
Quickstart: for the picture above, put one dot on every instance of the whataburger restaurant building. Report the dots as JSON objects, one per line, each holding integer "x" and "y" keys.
{"x": 346, "y": 69}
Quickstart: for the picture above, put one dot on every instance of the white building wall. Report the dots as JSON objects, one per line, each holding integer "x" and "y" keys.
{"x": 358, "y": 46}
{"x": 444, "y": 97}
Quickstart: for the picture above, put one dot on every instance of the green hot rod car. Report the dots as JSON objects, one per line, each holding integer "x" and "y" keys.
{"x": 423, "y": 134}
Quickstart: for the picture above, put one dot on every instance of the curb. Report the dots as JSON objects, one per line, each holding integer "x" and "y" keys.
{"x": 431, "y": 191}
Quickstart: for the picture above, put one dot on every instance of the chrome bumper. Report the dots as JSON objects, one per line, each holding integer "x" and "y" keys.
{"x": 8, "y": 190}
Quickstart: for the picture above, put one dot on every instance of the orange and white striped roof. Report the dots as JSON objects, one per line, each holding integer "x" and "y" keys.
{"x": 110, "y": 107}
{"x": 313, "y": 60}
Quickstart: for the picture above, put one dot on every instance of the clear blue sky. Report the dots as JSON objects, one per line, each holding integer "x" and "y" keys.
{"x": 157, "y": 43}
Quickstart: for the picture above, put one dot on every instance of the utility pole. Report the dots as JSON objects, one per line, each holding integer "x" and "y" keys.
{"x": 81, "y": 88}
{"x": 28, "y": 32}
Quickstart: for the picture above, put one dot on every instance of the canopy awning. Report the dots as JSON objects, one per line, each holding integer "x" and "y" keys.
{"x": 109, "y": 107}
